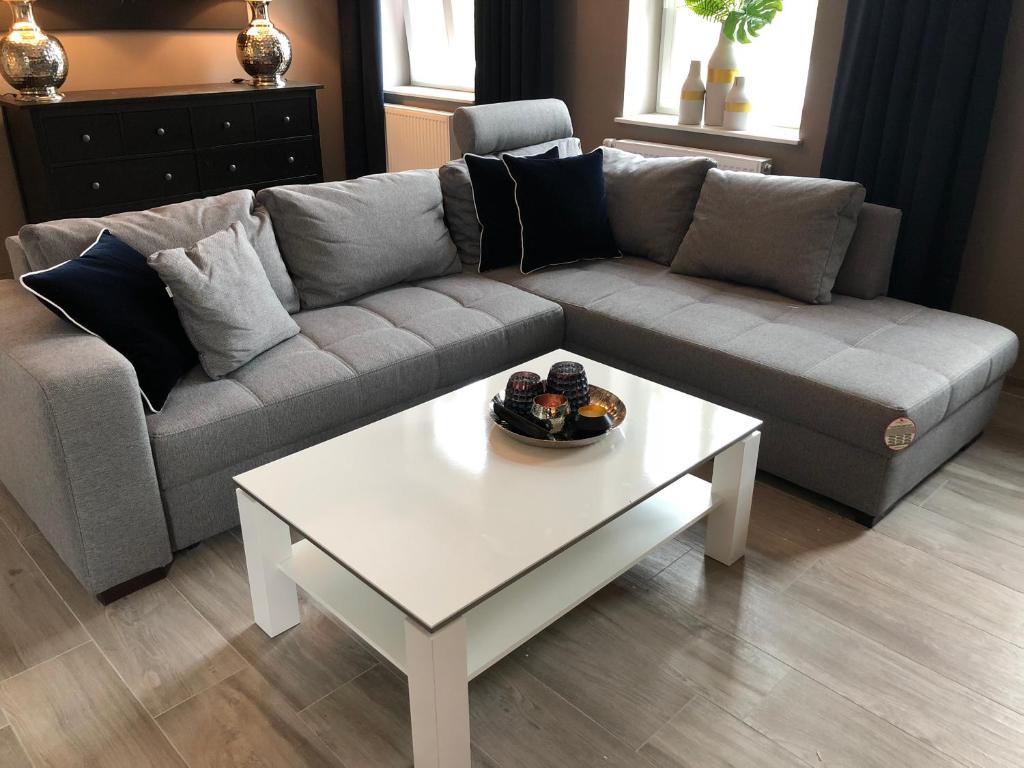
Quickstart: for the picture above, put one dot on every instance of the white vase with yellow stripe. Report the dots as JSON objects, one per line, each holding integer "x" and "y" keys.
{"x": 691, "y": 100}
{"x": 737, "y": 107}
{"x": 722, "y": 69}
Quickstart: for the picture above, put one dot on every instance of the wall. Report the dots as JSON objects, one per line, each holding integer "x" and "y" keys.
{"x": 992, "y": 276}
{"x": 591, "y": 80}
{"x": 139, "y": 59}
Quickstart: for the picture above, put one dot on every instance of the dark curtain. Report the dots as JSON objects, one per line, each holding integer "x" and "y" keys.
{"x": 910, "y": 120}
{"x": 362, "y": 87}
{"x": 514, "y": 50}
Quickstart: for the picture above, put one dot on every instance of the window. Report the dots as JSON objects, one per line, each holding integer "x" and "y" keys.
{"x": 441, "y": 43}
{"x": 775, "y": 63}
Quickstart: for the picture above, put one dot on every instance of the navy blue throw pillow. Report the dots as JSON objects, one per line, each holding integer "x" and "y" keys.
{"x": 494, "y": 194}
{"x": 563, "y": 210}
{"x": 111, "y": 292}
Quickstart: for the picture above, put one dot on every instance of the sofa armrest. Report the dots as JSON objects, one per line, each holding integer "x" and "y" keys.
{"x": 74, "y": 450}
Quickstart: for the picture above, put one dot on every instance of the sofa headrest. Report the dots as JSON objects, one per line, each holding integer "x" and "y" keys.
{"x": 490, "y": 128}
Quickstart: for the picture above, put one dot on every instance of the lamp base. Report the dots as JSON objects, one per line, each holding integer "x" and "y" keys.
{"x": 47, "y": 95}
{"x": 269, "y": 81}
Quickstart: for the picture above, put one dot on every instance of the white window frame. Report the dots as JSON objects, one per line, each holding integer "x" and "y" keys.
{"x": 669, "y": 12}
{"x": 449, "y": 23}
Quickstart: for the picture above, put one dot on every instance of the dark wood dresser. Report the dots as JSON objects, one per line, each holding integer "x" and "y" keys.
{"x": 99, "y": 152}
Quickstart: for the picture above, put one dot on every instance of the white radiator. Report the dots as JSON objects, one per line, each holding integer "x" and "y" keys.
{"x": 727, "y": 161}
{"x": 417, "y": 138}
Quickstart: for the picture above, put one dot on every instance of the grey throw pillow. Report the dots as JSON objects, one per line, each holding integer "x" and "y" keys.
{"x": 170, "y": 226}
{"x": 459, "y": 205}
{"x": 785, "y": 233}
{"x": 224, "y": 299}
{"x": 651, "y": 200}
{"x": 345, "y": 239}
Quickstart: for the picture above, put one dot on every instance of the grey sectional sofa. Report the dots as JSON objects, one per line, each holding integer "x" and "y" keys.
{"x": 116, "y": 491}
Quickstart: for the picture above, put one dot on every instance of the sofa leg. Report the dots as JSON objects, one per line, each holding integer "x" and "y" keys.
{"x": 107, "y": 596}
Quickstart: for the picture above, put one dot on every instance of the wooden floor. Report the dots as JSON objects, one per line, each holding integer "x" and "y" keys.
{"x": 830, "y": 645}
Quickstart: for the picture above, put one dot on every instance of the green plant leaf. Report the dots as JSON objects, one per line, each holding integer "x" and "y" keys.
{"x": 748, "y": 18}
{"x": 716, "y": 10}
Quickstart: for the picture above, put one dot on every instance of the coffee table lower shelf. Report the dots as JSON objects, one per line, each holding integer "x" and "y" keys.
{"x": 513, "y": 615}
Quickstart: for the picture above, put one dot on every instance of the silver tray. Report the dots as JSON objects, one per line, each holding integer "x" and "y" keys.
{"x": 598, "y": 395}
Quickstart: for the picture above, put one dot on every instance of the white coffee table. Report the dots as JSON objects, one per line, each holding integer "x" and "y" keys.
{"x": 445, "y": 544}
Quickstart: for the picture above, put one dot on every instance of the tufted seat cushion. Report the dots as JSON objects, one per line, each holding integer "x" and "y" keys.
{"x": 844, "y": 369}
{"x": 349, "y": 362}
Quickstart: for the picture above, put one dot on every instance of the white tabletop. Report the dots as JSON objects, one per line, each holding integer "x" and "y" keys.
{"x": 437, "y": 509}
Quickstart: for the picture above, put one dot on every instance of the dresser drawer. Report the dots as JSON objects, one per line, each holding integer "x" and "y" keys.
{"x": 162, "y": 130}
{"x": 292, "y": 158}
{"x": 230, "y": 167}
{"x": 156, "y": 177}
{"x": 96, "y": 184}
{"x": 88, "y": 186}
{"x": 82, "y": 137}
{"x": 281, "y": 118}
{"x": 223, "y": 124}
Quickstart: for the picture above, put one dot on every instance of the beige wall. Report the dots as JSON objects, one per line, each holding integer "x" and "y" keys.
{"x": 992, "y": 277}
{"x": 591, "y": 79}
{"x": 138, "y": 59}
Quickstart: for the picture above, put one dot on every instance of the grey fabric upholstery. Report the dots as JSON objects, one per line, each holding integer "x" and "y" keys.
{"x": 224, "y": 299}
{"x": 864, "y": 480}
{"x": 651, "y": 200}
{"x": 489, "y": 128}
{"x": 74, "y": 451}
{"x": 460, "y": 207}
{"x": 171, "y": 226}
{"x": 868, "y": 262}
{"x": 344, "y": 239}
{"x": 846, "y": 369}
{"x": 16, "y": 254}
{"x": 786, "y": 233}
{"x": 377, "y": 353}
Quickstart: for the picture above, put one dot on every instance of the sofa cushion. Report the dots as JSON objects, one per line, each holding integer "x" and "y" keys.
{"x": 563, "y": 209}
{"x": 345, "y": 239}
{"x": 868, "y": 263}
{"x": 110, "y": 292}
{"x": 651, "y": 200}
{"x": 170, "y": 226}
{"x": 459, "y": 205}
{"x": 348, "y": 363}
{"x": 224, "y": 300}
{"x": 785, "y": 233}
{"x": 494, "y": 194}
{"x": 846, "y": 369}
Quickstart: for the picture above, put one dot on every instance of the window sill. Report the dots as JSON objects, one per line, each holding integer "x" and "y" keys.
{"x": 770, "y": 134}
{"x": 462, "y": 98}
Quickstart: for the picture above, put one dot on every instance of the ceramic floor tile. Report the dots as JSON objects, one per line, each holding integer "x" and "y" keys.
{"x": 159, "y": 644}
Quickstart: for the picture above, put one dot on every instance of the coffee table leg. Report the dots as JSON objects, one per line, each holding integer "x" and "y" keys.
{"x": 267, "y": 541}
{"x": 438, "y": 695}
{"x": 732, "y": 483}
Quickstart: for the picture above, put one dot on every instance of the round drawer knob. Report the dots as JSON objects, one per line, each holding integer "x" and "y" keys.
{"x": 291, "y": 161}
{"x": 232, "y": 168}
{"x": 95, "y": 185}
{"x": 86, "y": 138}
{"x": 161, "y": 132}
{"x": 168, "y": 177}
{"x": 287, "y": 119}
{"x": 227, "y": 125}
